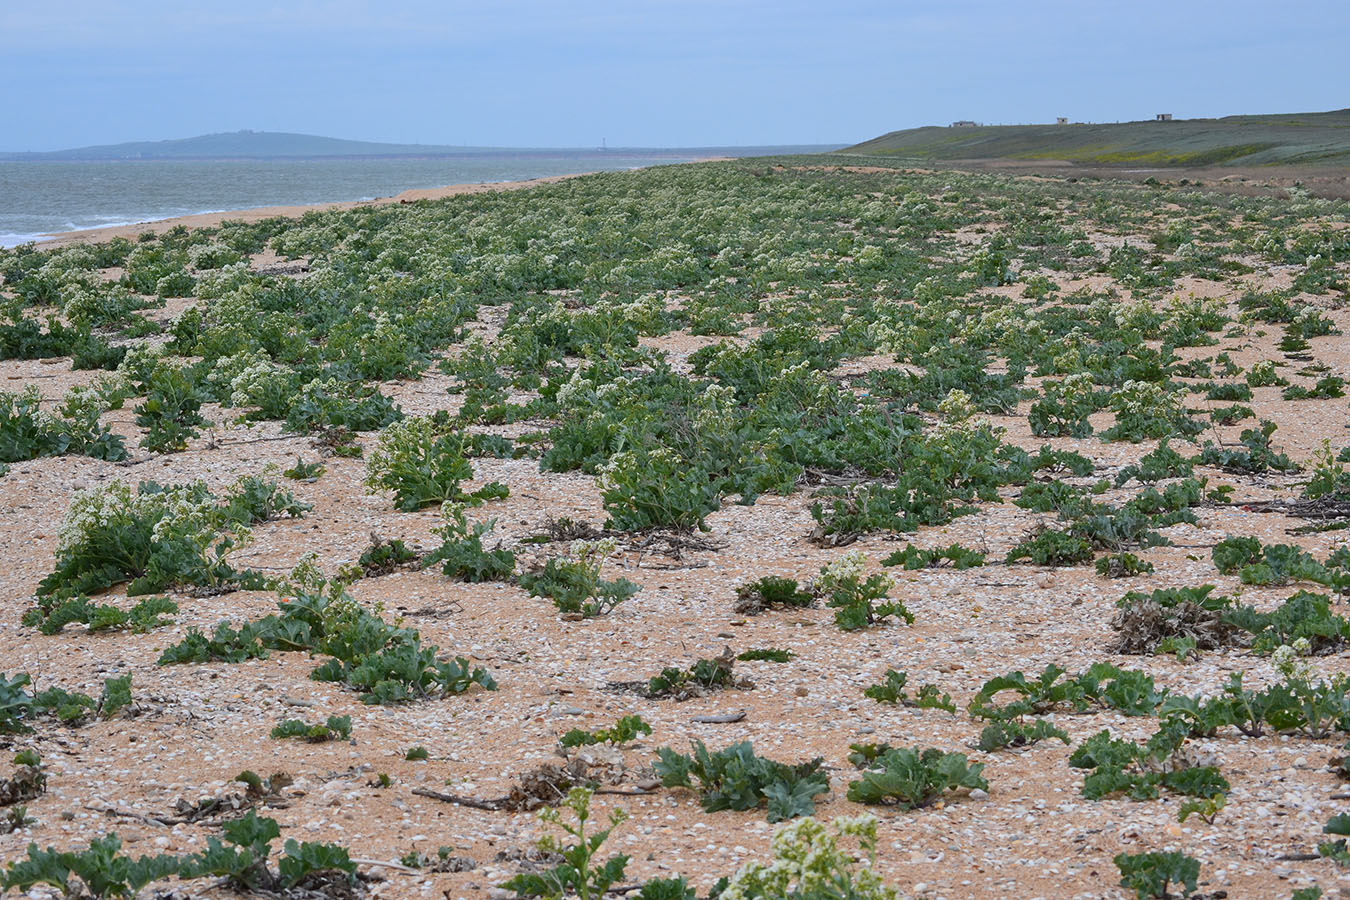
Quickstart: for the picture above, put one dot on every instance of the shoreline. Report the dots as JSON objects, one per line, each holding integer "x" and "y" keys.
{"x": 258, "y": 213}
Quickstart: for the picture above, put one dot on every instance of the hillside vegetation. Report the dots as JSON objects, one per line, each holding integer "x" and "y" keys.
{"x": 1302, "y": 138}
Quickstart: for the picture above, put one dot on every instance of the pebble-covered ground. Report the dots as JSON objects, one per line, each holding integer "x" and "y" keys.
{"x": 1032, "y": 834}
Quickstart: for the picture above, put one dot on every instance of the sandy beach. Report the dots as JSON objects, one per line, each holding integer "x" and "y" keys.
{"x": 258, "y": 213}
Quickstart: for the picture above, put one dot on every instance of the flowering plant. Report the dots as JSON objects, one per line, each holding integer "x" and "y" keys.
{"x": 808, "y": 863}
{"x": 854, "y": 597}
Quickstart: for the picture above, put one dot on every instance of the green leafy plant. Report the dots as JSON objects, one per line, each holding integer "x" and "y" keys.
{"x": 1064, "y": 409}
{"x": 911, "y": 778}
{"x": 1147, "y": 410}
{"x": 1130, "y": 691}
{"x": 1140, "y": 772}
{"x": 958, "y": 557}
{"x": 735, "y": 778}
{"x": 153, "y": 537}
{"x": 1330, "y": 480}
{"x": 892, "y": 690}
{"x": 52, "y": 614}
{"x": 704, "y": 675}
{"x": 574, "y": 584}
{"x": 854, "y": 598}
{"x": 1255, "y": 563}
{"x": 15, "y": 703}
{"x": 345, "y": 403}
{"x": 1123, "y": 565}
{"x": 384, "y": 556}
{"x": 1327, "y": 388}
{"x": 171, "y": 411}
{"x": 771, "y": 592}
{"x": 1336, "y": 850}
{"x": 624, "y": 731}
{"x": 242, "y": 858}
{"x": 1012, "y": 733}
{"x": 421, "y": 460}
{"x": 577, "y": 874}
{"x": 336, "y": 728}
{"x": 1255, "y": 456}
{"x": 461, "y": 553}
{"x": 99, "y": 871}
{"x": 1150, "y": 874}
{"x": 383, "y": 662}
{"x": 304, "y": 471}
{"x": 1207, "y": 808}
{"x": 1051, "y": 547}
{"x": 767, "y": 654}
{"x": 29, "y": 432}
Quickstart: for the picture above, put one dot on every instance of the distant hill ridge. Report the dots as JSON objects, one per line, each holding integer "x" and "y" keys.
{"x": 1281, "y": 139}
{"x": 285, "y": 145}
{"x": 247, "y": 145}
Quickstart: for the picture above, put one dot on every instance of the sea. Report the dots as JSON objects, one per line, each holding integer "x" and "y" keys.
{"x": 43, "y": 197}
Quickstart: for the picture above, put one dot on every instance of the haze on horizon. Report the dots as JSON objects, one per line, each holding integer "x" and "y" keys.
{"x": 529, "y": 73}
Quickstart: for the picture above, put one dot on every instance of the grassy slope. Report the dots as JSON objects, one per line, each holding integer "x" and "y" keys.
{"x": 1305, "y": 138}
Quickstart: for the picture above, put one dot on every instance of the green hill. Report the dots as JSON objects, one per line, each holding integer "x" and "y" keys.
{"x": 246, "y": 145}
{"x": 1293, "y": 138}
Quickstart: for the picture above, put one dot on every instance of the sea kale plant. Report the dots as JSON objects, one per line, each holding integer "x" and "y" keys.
{"x": 574, "y": 584}
{"x": 156, "y": 536}
{"x": 855, "y": 597}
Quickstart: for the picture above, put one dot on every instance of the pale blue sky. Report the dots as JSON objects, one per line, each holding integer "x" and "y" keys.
{"x": 690, "y": 73}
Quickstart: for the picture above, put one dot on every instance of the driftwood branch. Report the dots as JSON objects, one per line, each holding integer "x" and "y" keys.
{"x": 471, "y": 802}
{"x": 398, "y": 867}
{"x": 126, "y": 814}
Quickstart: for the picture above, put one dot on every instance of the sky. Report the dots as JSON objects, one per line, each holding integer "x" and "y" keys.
{"x": 646, "y": 73}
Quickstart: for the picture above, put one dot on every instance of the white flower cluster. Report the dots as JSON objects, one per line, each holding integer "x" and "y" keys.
{"x": 1137, "y": 316}
{"x": 400, "y": 440}
{"x": 1263, "y": 372}
{"x": 94, "y": 510}
{"x": 184, "y": 515}
{"x": 84, "y": 404}
{"x": 218, "y": 282}
{"x": 626, "y": 468}
{"x": 1001, "y": 322}
{"x": 1145, "y": 399}
{"x": 27, "y": 404}
{"x": 715, "y": 410}
{"x": 1193, "y": 309}
{"x": 848, "y": 570}
{"x": 871, "y": 255}
{"x": 140, "y": 361}
{"x": 592, "y": 554}
{"x": 576, "y": 391}
{"x": 1290, "y": 660}
{"x": 257, "y": 381}
{"x": 211, "y": 256}
{"x": 957, "y": 406}
{"x": 892, "y": 336}
{"x": 1071, "y": 389}
{"x": 1269, "y": 243}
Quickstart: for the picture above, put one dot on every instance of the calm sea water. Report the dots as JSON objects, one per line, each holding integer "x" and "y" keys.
{"x": 40, "y": 198}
